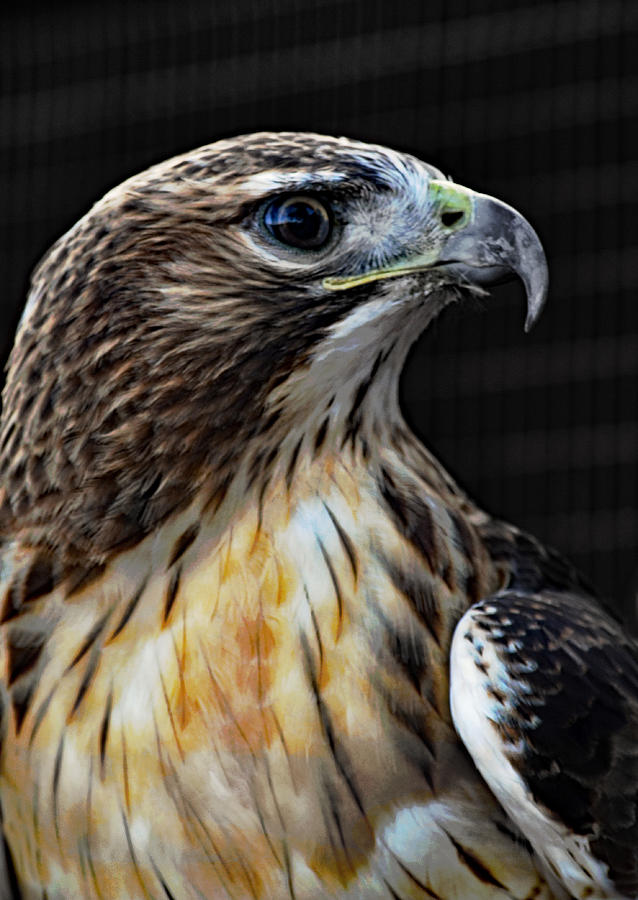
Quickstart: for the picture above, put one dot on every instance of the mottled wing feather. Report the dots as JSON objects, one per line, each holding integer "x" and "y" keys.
{"x": 544, "y": 693}
{"x": 531, "y": 566}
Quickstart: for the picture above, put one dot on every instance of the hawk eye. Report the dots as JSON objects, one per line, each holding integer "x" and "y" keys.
{"x": 299, "y": 221}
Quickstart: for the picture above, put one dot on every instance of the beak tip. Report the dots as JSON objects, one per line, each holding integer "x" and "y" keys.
{"x": 534, "y": 309}
{"x": 530, "y": 321}
{"x": 536, "y": 294}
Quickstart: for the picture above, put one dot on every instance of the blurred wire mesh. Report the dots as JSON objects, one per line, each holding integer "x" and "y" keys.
{"x": 533, "y": 102}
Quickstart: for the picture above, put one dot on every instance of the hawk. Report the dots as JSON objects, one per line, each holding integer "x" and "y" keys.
{"x": 255, "y": 640}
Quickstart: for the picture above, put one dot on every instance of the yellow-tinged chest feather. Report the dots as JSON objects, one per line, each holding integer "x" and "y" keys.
{"x": 245, "y": 706}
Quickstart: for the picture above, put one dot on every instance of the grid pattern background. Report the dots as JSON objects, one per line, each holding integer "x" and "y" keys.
{"x": 530, "y": 101}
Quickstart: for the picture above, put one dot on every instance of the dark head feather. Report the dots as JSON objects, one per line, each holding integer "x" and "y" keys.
{"x": 152, "y": 337}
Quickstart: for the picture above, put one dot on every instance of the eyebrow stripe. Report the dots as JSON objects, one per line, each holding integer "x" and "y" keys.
{"x": 275, "y": 179}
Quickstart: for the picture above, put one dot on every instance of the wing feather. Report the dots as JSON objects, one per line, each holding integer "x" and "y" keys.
{"x": 544, "y": 695}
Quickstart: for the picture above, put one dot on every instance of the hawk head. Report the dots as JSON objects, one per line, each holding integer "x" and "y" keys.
{"x": 254, "y": 295}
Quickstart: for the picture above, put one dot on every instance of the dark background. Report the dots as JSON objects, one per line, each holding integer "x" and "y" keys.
{"x": 530, "y": 101}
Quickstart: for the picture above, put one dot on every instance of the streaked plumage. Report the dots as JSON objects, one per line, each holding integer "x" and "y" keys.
{"x": 232, "y": 579}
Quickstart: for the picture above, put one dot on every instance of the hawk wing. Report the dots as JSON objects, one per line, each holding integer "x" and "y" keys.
{"x": 544, "y": 695}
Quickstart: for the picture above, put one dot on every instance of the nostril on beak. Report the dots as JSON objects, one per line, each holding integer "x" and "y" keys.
{"x": 451, "y": 217}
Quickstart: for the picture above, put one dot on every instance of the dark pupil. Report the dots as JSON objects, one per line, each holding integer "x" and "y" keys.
{"x": 302, "y": 221}
{"x": 298, "y": 223}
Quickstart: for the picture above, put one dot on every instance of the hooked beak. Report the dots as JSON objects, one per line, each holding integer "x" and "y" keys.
{"x": 477, "y": 240}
